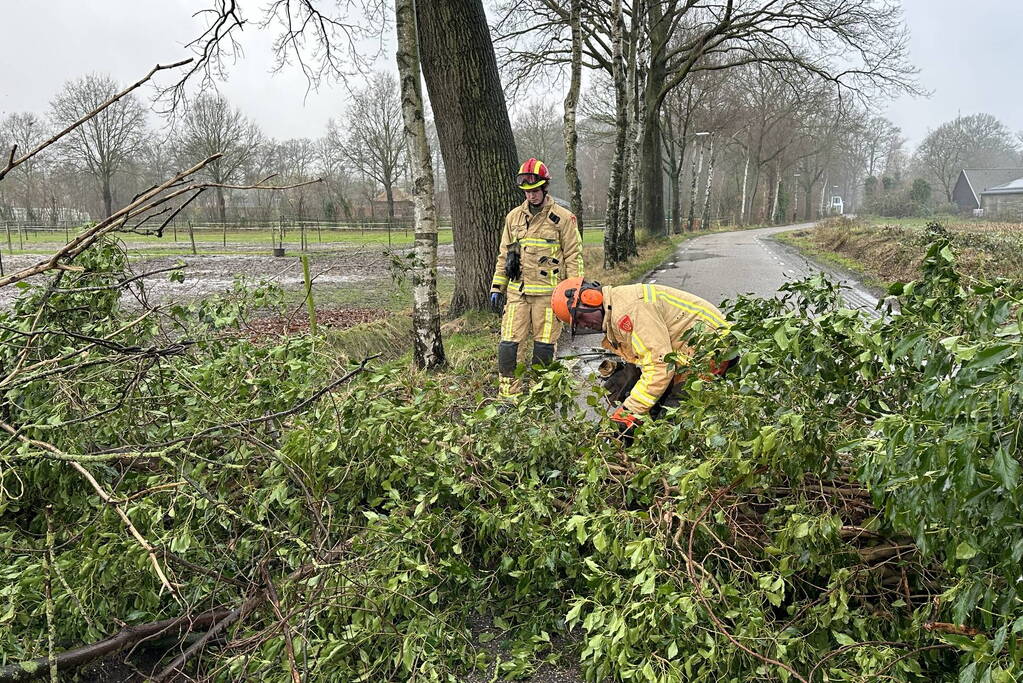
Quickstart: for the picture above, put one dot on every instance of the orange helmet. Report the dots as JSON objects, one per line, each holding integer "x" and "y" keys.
{"x": 532, "y": 174}
{"x": 572, "y": 294}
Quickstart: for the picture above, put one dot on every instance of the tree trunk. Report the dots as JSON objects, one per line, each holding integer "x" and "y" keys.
{"x": 221, "y": 205}
{"x": 108, "y": 197}
{"x": 571, "y": 102}
{"x": 706, "y": 195}
{"x": 777, "y": 192}
{"x": 428, "y": 346}
{"x": 475, "y": 138}
{"x": 697, "y": 169}
{"x": 745, "y": 180}
{"x": 614, "y": 187}
{"x": 641, "y": 60}
{"x": 651, "y": 160}
{"x": 389, "y": 194}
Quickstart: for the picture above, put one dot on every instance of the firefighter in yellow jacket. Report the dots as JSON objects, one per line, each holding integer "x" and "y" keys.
{"x": 642, "y": 324}
{"x": 540, "y": 247}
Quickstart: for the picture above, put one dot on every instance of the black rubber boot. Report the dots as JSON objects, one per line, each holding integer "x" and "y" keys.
{"x": 506, "y": 356}
{"x": 543, "y": 354}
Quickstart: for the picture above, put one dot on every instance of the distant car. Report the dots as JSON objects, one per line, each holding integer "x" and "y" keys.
{"x": 836, "y": 207}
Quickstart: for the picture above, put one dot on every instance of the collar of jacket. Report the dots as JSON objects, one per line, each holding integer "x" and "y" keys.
{"x": 542, "y": 213}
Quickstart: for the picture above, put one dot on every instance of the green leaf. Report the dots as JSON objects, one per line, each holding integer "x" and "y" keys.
{"x": 781, "y": 339}
{"x": 1006, "y": 468}
{"x": 843, "y": 639}
{"x": 965, "y": 551}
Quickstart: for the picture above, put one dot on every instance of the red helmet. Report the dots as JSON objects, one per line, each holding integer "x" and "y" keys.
{"x": 532, "y": 174}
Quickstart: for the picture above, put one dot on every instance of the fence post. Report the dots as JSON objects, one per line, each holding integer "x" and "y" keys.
{"x": 191, "y": 237}
{"x": 225, "y": 234}
{"x": 10, "y": 247}
{"x": 309, "y": 293}
{"x": 302, "y": 228}
{"x": 21, "y": 237}
{"x": 174, "y": 226}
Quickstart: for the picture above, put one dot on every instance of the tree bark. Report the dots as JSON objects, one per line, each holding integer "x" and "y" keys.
{"x": 651, "y": 154}
{"x": 745, "y": 180}
{"x": 697, "y": 169}
{"x": 637, "y": 129}
{"x": 705, "y": 221}
{"x": 108, "y": 196}
{"x": 428, "y": 346}
{"x": 475, "y": 136}
{"x": 571, "y": 103}
{"x": 614, "y": 187}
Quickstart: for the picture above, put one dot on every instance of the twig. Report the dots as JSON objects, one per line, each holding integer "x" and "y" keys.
{"x": 255, "y": 420}
{"x": 12, "y": 163}
{"x": 51, "y": 620}
{"x": 289, "y": 645}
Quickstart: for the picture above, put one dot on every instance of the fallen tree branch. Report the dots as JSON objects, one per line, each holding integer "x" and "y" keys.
{"x": 251, "y": 421}
{"x": 70, "y": 659}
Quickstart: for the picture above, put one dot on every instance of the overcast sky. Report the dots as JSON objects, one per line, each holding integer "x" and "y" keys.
{"x": 967, "y": 52}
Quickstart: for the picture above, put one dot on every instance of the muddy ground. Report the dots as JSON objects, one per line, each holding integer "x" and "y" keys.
{"x": 353, "y": 270}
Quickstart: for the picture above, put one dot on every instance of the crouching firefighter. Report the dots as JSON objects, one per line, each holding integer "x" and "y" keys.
{"x": 540, "y": 247}
{"x": 641, "y": 324}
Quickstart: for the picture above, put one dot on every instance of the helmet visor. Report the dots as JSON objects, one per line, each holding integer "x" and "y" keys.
{"x": 529, "y": 181}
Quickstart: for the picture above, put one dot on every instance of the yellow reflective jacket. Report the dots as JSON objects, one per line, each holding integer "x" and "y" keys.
{"x": 644, "y": 323}
{"x": 549, "y": 245}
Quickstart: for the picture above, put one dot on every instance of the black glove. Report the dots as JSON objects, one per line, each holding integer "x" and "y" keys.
{"x": 497, "y": 301}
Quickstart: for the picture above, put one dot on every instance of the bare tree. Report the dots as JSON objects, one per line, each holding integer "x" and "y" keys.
{"x": 210, "y": 126}
{"x": 105, "y": 143}
{"x": 375, "y": 142}
{"x": 25, "y": 131}
{"x": 976, "y": 141}
{"x": 859, "y": 45}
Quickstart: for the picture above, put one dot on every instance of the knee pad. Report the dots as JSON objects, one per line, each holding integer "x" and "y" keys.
{"x": 507, "y": 353}
{"x": 543, "y": 354}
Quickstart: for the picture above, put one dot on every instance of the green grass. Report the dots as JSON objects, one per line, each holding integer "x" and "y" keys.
{"x": 798, "y": 240}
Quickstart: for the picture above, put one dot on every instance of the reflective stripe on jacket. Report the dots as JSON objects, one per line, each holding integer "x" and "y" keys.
{"x": 643, "y": 324}
{"x": 549, "y": 245}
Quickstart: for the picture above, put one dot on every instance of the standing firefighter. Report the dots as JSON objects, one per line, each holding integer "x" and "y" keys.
{"x": 540, "y": 247}
{"x": 642, "y": 324}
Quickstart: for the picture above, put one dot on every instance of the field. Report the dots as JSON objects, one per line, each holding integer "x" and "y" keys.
{"x": 891, "y": 250}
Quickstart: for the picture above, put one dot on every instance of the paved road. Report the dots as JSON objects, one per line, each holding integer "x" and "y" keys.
{"x": 724, "y": 265}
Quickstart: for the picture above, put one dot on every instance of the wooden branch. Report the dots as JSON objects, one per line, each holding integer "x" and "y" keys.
{"x": 23, "y": 671}
{"x": 955, "y": 629}
{"x": 13, "y": 163}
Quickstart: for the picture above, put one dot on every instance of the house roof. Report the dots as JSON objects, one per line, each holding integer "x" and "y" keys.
{"x": 980, "y": 179}
{"x": 1015, "y": 187}
{"x": 401, "y": 195}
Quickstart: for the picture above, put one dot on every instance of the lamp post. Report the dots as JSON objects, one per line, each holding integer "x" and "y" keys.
{"x": 696, "y": 174}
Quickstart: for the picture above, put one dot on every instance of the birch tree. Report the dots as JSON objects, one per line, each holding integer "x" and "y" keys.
{"x": 612, "y": 251}
{"x": 571, "y": 104}
{"x": 428, "y": 347}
